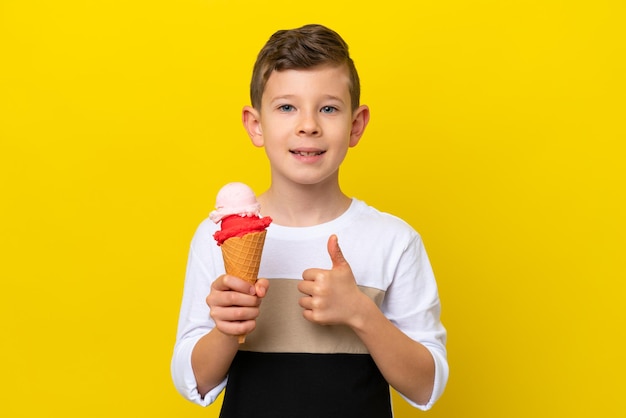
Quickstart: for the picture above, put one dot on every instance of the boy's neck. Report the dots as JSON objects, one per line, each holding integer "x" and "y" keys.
{"x": 303, "y": 206}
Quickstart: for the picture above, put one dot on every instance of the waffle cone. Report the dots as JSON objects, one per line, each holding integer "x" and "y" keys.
{"x": 242, "y": 255}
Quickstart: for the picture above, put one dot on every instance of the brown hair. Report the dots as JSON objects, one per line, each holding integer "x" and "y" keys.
{"x": 301, "y": 48}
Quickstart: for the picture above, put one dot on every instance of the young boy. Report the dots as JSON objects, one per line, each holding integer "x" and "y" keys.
{"x": 350, "y": 304}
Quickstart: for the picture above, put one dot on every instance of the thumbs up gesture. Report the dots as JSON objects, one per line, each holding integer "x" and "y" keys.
{"x": 330, "y": 296}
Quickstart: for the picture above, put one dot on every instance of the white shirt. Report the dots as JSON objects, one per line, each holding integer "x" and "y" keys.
{"x": 384, "y": 252}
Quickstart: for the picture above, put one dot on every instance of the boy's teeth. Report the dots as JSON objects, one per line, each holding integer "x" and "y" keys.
{"x": 308, "y": 154}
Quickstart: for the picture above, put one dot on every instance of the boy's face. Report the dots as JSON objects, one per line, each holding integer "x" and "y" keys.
{"x": 306, "y": 123}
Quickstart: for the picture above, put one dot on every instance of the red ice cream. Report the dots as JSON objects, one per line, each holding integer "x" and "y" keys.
{"x": 238, "y": 226}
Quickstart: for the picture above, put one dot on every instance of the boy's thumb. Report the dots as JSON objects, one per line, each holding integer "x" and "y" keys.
{"x": 336, "y": 256}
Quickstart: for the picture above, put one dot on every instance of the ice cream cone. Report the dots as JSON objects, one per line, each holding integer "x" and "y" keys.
{"x": 242, "y": 255}
{"x": 242, "y": 258}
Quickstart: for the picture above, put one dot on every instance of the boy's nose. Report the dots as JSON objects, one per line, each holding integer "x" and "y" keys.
{"x": 308, "y": 125}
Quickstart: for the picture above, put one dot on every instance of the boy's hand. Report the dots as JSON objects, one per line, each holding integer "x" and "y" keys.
{"x": 332, "y": 296}
{"x": 235, "y": 304}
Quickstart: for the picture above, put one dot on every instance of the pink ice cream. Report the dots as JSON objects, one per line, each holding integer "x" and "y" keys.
{"x": 238, "y": 211}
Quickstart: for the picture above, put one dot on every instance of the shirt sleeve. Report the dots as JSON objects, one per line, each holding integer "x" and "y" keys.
{"x": 412, "y": 304}
{"x": 194, "y": 320}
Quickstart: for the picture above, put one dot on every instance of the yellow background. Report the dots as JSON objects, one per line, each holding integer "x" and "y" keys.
{"x": 497, "y": 131}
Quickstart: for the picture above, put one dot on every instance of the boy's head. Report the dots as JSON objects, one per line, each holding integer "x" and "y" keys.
{"x": 302, "y": 48}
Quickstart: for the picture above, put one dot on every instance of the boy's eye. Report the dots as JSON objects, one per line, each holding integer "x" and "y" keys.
{"x": 328, "y": 109}
{"x": 285, "y": 108}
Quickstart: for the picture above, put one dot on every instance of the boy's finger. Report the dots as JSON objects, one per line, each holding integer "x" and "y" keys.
{"x": 235, "y": 283}
{"x": 313, "y": 274}
{"x": 261, "y": 286}
{"x": 336, "y": 256}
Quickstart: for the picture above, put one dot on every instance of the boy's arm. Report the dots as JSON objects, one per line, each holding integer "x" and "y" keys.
{"x": 234, "y": 305}
{"x": 332, "y": 297}
{"x": 210, "y": 359}
{"x": 407, "y": 365}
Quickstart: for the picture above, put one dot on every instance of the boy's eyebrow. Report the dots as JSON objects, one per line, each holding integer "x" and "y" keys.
{"x": 282, "y": 97}
{"x": 333, "y": 97}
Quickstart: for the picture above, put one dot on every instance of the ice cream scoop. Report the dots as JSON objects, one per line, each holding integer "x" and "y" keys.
{"x": 235, "y": 199}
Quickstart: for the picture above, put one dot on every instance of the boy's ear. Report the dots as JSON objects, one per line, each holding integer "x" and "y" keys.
{"x": 252, "y": 123}
{"x": 359, "y": 123}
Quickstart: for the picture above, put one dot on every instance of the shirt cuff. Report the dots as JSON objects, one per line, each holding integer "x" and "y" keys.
{"x": 184, "y": 378}
{"x": 441, "y": 379}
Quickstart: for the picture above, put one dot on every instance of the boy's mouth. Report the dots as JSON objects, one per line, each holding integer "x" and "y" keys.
{"x": 307, "y": 153}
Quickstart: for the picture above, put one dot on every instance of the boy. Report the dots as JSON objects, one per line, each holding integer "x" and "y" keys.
{"x": 333, "y": 326}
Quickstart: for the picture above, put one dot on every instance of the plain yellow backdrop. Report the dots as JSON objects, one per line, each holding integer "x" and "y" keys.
{"x": 497, "y": 131}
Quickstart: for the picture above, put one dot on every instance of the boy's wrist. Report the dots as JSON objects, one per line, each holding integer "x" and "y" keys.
{"x": 366, "y": 308}
{"x": 226, "y": 339}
